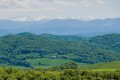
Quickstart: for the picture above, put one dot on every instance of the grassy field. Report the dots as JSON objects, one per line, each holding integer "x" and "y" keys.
{"x": 107, "y": 66}
{"x": 42, "y": 63}
{"x": 105, "y": 69}
{"x": 45, "y": 62}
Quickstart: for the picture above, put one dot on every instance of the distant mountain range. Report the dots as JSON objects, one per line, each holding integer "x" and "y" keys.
{"x": 62, "y": 26}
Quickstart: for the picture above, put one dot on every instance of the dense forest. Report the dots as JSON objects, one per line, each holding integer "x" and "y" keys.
{"x": 66, "y": 74}
{"x": 19, "y": 49}
{"x": 68, "y": 71}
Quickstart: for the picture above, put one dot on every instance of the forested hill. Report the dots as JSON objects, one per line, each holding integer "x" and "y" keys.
{"x": 21, "y": 48}
{"x": 111, "y": 40}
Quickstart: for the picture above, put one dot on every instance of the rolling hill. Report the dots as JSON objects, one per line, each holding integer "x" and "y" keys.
{"x": 31, "y": 50}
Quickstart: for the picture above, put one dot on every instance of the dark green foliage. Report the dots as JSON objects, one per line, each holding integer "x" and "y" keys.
{"x": 70, "y": 65}
{"x": 68, "y": 74}
{"x": 19, "y": 49}
{"x": 108, "y": 39}
{"x": 112, "y": 41}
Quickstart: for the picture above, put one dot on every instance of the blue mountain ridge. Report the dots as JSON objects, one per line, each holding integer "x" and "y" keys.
{"x": 62, "y": 26}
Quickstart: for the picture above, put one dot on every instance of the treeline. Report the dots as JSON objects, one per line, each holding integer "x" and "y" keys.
{"x": 69, "y": 65}
{"x": 17, "y": 49}
{"x": 66, "y": 74}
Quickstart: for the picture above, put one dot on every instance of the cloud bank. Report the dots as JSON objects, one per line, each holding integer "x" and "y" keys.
{"x": 58, "y": 8}
{"x": 38, "y": 5}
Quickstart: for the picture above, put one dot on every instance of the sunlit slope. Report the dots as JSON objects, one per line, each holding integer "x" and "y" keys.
{"x": 114, "y": 65}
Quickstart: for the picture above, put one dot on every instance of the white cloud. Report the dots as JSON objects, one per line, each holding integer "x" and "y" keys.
{"x": 20, "y": 19}
{"x": 86, "y": 3}
{"x": 59, "y": 17}
{"x": 12, "y": 4}
{"x": 33, "y": 5}
{"x": 65, "y": 3}
{"x": 25, "y": 18}
{"x": 37, "y": 5}
{"x": 39, "y": 18}
{"x": 88, "y": 18}
{"x": 57, "y": 8}
{"x": 100, "y": 1}
{"x": 25, "y": 5}
{"x": 84, "y": 18}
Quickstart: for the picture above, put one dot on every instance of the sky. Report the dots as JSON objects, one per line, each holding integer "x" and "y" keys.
{"x": 49, "y": 9}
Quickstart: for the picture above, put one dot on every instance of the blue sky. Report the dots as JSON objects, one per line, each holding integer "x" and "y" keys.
{"x": 62, "y": 9}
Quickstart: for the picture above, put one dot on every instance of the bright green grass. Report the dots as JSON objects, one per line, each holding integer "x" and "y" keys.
{"x": 45, "y": 62}
{"x": 107, "y": 66}
{"x": 105, "y": 69}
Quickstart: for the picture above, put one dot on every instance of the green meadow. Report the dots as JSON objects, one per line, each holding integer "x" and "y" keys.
{"x": 46, "y": 62}
{"x": 106, "y": 66}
